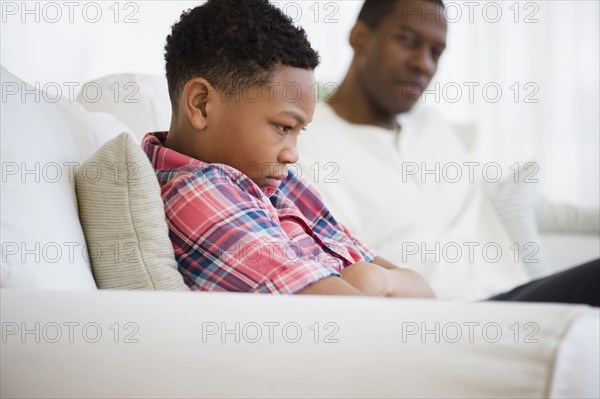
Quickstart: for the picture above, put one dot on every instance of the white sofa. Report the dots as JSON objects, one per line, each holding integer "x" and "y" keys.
{"x": 62, "y": 337}
{"x": 565, "y": 235}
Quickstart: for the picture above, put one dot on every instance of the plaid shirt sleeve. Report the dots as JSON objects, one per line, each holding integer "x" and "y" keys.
{"x": 364, "y": 250}
{"x": 227, "y": 239}
{"x": 308, "y": 200}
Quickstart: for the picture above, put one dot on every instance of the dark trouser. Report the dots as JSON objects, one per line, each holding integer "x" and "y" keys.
{"x": 580, "y": 284}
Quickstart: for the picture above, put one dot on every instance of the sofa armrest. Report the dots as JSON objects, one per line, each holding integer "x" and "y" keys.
{"x": 568, "y": 250}
{"x": 190, "y": 344}
{"x": 565, "y": 218}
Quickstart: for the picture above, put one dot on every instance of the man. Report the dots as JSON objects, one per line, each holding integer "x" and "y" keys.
{"x": 401, "y": 180}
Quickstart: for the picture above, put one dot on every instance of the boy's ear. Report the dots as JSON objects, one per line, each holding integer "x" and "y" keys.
{"x": 359, "y": 36}
{"x": 194, "y": 99}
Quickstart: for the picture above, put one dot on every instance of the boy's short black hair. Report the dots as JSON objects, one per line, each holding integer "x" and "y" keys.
{"x": 374, "y": 11}
{"x": 234, "y": 44}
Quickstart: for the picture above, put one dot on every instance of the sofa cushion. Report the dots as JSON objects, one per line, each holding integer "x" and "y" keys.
{"x": 43, "y": 138}
{"x": 137, "y": 100}
{"x": 123, "y": 218}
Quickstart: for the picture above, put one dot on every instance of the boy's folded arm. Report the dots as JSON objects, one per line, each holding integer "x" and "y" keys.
{"x": 216, "y": 223}
{"x": 406, "y": 282}
{"x": 377, "y": 280}
{"x": 386, "y": 264}
{"x": 370, "y": 279}
{"x": 367, "y": 278}
{"x": 331, "y": 285}
{"x": 409, "y": 284}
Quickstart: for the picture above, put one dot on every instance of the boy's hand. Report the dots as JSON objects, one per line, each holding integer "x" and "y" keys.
{"x": 375, "y": 280}
{"x": 380, "y": 278}
{"x": 368, "y": 279}
{"x": 408, "y": 283}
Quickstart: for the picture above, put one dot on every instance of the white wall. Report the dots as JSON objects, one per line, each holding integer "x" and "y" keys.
{"x": 550, "y": 49}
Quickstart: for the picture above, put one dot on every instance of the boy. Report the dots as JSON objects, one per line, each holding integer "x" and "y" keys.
{"x": 240, "y": 79}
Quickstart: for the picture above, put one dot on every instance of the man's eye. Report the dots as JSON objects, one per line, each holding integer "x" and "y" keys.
{"x": 436, "y": 53}
{"x": 407, "y": 40}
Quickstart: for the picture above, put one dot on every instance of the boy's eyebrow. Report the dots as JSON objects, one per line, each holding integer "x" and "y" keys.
{"x": 294, "y": 115}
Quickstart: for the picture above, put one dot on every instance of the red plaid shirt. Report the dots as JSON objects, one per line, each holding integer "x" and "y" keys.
{"x": 229, "y": 235}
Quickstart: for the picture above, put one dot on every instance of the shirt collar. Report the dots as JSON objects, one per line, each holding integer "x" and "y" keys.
{"x": 163, "y": 158}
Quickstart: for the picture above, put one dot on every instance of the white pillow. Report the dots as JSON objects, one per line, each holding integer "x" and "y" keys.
{"x": 123, "y": 216}
{"x": 139, "y": 101}
{"x": 514, "y": 203}
{"x": 42, "y": 141}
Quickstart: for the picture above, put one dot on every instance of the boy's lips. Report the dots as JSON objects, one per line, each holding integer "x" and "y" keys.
{"x": 274, "y": 181}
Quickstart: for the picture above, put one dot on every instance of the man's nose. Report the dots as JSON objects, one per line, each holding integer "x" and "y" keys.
{"x": 423, "y": 61}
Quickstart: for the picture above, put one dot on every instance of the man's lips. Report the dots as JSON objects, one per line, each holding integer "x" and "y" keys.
{"x": 414, "y": 87}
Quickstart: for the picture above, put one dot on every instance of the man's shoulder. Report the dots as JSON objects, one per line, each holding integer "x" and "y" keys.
{"x": 329, "y": 133}
{"x": 426, "y": 124}
{"x": 423, "y": 116}
{"x": 325, "y": 119}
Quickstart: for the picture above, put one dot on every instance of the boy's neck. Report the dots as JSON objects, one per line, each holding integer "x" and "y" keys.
{"x": 175, "y": 140}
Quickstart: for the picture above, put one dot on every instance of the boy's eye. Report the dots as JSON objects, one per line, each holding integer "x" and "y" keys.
{"x": 284, "y": 128}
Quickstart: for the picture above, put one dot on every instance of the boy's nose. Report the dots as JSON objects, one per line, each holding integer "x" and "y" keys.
{"x": 289, "y": 154}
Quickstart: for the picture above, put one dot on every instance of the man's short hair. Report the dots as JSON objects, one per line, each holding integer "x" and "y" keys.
{"x": 374, "y": 11}
{"x": 234, "y": 44}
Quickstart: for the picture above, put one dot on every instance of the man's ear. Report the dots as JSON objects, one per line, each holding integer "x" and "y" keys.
{"x": 359, "y": 37}
{"x": 194, "y": 98}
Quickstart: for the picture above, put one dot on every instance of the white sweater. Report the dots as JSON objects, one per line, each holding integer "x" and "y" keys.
{"x": 439, "y": 223}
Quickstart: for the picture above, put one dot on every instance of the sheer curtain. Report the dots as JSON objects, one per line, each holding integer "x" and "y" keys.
{"x": 524, "y": 75}
{"x": 534, "y": 73}
{"x": 542, "y": 55}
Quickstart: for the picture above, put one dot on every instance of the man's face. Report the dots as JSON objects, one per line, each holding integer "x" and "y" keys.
{"x": 258, "y": 132}
{"x": 401, "y": 55}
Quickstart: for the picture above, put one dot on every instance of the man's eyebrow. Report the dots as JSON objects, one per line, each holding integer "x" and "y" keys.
{"x": 417, "y": 33}
{"x": 294, "y": 115}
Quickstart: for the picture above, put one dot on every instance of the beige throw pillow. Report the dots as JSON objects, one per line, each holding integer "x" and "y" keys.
{"x": 123, "y": 219}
